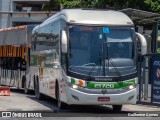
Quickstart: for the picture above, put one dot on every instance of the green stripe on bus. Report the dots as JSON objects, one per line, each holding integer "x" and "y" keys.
{"x": 73, "y": 81}
{"x": 110, "y": 84}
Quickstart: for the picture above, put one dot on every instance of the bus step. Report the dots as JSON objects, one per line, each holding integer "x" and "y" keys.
{"x": 4, "y": 91}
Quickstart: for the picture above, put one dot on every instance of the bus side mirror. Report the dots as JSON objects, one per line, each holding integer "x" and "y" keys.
{"x": 64, "y": 41}
{"x": 143, "y": 43}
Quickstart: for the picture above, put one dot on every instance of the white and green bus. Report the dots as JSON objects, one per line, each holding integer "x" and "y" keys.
{"x": 85, "y": 57}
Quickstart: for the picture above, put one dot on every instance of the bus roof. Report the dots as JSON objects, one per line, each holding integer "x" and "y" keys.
{"x": 91, "y": 16}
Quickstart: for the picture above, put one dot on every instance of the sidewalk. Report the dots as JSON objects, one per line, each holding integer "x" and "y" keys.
{"x": 140, "y": 107}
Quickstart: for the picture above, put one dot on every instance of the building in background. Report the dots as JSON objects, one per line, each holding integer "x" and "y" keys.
{"x": 22, "y": 12}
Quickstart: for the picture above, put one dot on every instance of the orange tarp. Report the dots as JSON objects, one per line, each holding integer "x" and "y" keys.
{"x": 14, "y": 51}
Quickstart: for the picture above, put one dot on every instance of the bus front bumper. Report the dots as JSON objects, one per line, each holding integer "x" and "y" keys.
{"x": 75, "y": 97}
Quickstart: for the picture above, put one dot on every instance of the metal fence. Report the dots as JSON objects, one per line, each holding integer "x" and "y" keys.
{"x": 149, "y": 79}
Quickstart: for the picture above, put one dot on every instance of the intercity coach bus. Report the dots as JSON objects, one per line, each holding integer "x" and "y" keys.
{"x": 85, "y": 57}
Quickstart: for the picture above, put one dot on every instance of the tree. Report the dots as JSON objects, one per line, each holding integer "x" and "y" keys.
{"x": 149, "y": 5}
{"x": 51, "y": 5}
{"x": 103, "y": 4}
{"x": 153, "y": 5}
{"x": 70, "y": 3}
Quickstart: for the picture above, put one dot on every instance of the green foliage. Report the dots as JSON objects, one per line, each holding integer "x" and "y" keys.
{"x": 79, "y": 3}
{"x": 149, "y": 5}
{"x": 51, "y": 5}
{"x": 153, "y": 5}
{"x": 70, "y": 3}
{"x": 111, "y": 4}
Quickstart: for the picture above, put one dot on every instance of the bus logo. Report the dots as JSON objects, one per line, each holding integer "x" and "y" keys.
{"x": 104, "y": 91}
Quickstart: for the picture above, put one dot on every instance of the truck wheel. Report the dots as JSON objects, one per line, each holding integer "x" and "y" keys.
{"x": 117, "y": 107}
{"x": 37, "y": 92}
{"x": 26, "y": 90}
{"x": 61, "y": 105}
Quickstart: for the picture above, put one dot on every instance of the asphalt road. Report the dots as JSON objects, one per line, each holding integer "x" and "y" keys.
{"x": 18, "y": 101}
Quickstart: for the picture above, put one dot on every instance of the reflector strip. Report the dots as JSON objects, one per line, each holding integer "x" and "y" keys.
{"x": 4, "y": 91}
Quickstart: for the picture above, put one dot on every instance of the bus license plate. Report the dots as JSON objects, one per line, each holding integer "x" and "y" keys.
{"x": 106, "y": 99}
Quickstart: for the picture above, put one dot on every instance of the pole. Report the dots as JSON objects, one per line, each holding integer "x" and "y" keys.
{"x": 146, "y": 79}
{"x": 139, "y": 78}
{"x": 155, "y": 35}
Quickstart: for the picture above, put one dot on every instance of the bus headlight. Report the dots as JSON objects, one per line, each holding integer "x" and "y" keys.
{"x": 69, "y": 84}
{"x": 75, "y": 86}
{"x": 130, "y": 87}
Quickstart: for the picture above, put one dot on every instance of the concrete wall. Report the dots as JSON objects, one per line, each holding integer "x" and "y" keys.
{"x": 6, "y": 20}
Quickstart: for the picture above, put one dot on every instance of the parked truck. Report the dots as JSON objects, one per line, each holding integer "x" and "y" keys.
{"x": 14, "y": 50}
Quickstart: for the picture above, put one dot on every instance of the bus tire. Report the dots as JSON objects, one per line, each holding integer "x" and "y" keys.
{"x": 61, "y": 105}
{"x": 117, "y": 107}
{"x": 26, "y": 90}
{"x": 37, "y": 92}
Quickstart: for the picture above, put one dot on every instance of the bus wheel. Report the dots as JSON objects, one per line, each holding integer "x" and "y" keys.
{"x": 61, "y": 105}
{"x": 37, "y": 92}
{"x": 117, "y": 107}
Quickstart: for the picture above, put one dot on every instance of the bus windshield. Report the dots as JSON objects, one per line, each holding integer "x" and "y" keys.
{"x": 90, "y": 47}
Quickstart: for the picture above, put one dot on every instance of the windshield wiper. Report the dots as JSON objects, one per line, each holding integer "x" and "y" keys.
{"x": 109, "y": 59}
{"x": 93, "y": 68}
{"x": 114, "y": 66}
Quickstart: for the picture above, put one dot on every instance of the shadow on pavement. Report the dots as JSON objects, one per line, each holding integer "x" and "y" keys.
{"x": 21, "y": 91}
{"x": 73, "y": 110}
{"x": 96, "y": 109}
